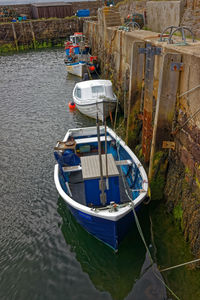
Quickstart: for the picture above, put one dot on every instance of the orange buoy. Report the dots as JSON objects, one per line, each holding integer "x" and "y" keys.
{"x": 72, "y": 105}
{"x": 92, "y": 68}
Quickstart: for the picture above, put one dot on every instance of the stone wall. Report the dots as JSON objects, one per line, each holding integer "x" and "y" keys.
{"x": 130, "y": 7}
{"x": 179, "y": 112}
{"x": 158, "y": 14}
{"x": 24, "y": 9}
{"x": 24, "y": 33}
{"x": 191, "y": 16}
{"x": 162, "y": 14}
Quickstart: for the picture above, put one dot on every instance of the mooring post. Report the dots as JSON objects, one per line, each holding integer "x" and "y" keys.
{"x": 15, "y": 37}
{"x": 136, "y": 78}
{"x": 147, "y": 129}
{"x": 120, "y": 57}
{"x": 33, "y": 35}
{"x": 165, "y": 104}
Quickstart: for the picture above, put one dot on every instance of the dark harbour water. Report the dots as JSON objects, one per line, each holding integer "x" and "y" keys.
{"x": 44, "y": 253}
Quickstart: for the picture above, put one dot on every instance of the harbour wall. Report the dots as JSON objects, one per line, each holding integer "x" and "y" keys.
{"x": 45, "y": 32}
{"x": 161, "y": 14}
{"x": 38, "y": 33}
{"x": 158, "y": 85}
{"x": 32, "y": 33}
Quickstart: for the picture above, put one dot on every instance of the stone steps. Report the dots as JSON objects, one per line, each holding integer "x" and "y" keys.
{"x": 112, "y": 17}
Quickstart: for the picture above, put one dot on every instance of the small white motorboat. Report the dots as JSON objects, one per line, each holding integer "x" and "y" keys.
{"x": 95, "y": 96}
{"x": 101, "y": 181}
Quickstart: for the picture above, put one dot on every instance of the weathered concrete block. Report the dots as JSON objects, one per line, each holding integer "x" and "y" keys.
{"x": 161, "y": 14}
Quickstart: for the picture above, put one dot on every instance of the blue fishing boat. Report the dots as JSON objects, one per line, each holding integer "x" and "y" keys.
{"x": 77, "y": 56}
{"x": 101, "y": 181}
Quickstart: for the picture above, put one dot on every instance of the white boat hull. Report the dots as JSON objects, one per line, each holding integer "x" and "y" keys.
{"x": 95, "y": 96}
{"x": 77, "y": 69}
{"x": 102, "y": 107}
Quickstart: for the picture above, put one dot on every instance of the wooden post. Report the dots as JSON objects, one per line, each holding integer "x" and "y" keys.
{"x": 136, "y": 77}
{"x": 147, "y": 128}
{"x": 33, "y": 35}
{"x": 165, "y": 105}
{"x": 120, "y": 58}
{"x": 15, "y": 37}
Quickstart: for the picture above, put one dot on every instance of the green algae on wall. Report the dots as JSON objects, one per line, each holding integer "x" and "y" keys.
{"x": 6, "y": 48}
{"x": 135, "y": 128}
{"x": 157, "y": 184}
{"x": 182, "y": 194}
{"x": 178, "y": 214}
{"x": 10, "y": 48}
{"x": 171, "y": 250}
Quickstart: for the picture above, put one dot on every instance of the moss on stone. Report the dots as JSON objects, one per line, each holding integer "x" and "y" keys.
{"x": 157, "y": 187}
{"x": 197, "y": 182}
{"x": 178, "y": 214}
{"x": 11, "y": 47}
{"x": 7, "y": 48}
{"x": 135, "y": 127}
{"x": 157, "y": 184}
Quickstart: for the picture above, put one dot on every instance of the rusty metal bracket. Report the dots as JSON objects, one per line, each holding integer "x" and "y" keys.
{"x": 149, "y": 50}
{"x": 176, "y": 66}
{"x": 168, "y": 145}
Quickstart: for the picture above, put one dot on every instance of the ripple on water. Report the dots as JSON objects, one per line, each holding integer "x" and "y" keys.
{"x": 35, "y": 261}
{"x": 45, "y": 254}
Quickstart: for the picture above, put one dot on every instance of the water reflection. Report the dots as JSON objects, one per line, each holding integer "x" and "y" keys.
{"x": 114, "y": 273}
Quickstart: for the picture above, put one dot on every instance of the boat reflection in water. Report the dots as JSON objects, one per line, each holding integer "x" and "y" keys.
{"x": 110, "y": 272}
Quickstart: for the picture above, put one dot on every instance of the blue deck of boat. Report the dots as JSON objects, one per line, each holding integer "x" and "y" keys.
{"x": 76, "y": 184}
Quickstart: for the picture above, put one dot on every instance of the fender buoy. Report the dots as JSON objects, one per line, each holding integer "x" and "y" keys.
{"x": 72, "y": 105}
{"x": 92, "y": 68}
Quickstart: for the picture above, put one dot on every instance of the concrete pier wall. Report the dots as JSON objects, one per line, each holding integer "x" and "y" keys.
{"x": 161, "y": 14}
{"x": 169, "y": 109}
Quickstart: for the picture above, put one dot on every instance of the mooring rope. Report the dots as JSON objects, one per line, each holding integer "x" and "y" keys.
{"x": 141, "y": 233}
{"x": 180, "y": 265}
{"x": 115, "y": 120}
{"x": 189, "y": 91}
{"x": 136, "y": 218}
{"x": 190, "y": 118}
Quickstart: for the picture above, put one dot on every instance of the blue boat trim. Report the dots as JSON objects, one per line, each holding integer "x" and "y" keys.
{"x": 106, "y": 224}
{"x": 76, "y": 63}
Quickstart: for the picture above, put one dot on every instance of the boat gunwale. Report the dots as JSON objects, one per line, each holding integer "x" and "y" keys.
{"x": 81, "y": 63}
{"x": 105, "y": 214}
{"x": 93, "y": 101}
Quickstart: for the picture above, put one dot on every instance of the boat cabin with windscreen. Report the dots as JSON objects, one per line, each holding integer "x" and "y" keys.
{"x": 93, "y": 89}
{"x": 94, "y": 97}
{"x": 77, "y": 38}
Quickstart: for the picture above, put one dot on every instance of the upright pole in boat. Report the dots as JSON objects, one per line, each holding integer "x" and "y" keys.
{"x": 106, "y": 150}
{"x": 101, "y": 181}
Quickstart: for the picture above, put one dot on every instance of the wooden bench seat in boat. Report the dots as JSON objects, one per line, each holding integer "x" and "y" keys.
{"x": 92, "y": 140}
{"x": 79, "y": 168}
{"x": 72, "y": 168}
